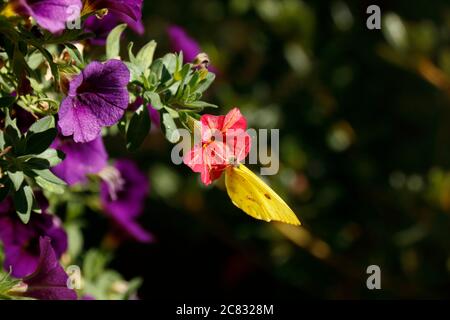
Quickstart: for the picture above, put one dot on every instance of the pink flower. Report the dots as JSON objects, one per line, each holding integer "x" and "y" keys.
{"x": 224, "y": 142}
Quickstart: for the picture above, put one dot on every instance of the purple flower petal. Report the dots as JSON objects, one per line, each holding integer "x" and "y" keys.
{"x": 81, "y": 159}
{"x": 49, "y": 280}
{"x": 97, "y": 97}
{"x": 181, "y": 41}
{"x": 154, "y": 115}
{"x": 51, "y": 14}
{"x": 5, "y": 206}
{"x": 119, "y": 11}
{"x": 21, "y": 241}
{"x": 132, "y": 229}
{"x": 128, "y": 201}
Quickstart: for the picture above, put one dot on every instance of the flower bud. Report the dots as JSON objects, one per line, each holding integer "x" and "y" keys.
{"x": 201, "y": 61}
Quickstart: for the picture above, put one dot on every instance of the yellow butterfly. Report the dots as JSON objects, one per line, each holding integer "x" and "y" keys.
{"x": 254, "y": 197}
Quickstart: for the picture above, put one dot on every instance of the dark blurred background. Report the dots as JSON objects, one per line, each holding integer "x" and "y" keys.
{"x": 364, "y": 119}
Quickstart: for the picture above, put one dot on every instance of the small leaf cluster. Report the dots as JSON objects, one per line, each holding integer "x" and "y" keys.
{"x": 25, "y": 162}
{"x": 167, "y": 84}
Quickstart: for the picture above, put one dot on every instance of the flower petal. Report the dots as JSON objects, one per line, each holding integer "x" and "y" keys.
{"x": 181, "y": 41}
{"x": 49, "y": 280}
{"x": 52, "y": 14}
{"x": 234, "y": 120}
{"x": 81, "y": 159}
{"x": 98, "y": 97}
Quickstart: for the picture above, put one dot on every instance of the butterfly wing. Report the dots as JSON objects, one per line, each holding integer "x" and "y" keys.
{"x": 254, "y": 197}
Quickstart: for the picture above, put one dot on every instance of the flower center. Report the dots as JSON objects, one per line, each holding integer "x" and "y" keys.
{"x": 31, "y": 246}
{"x": 113, "y": 180}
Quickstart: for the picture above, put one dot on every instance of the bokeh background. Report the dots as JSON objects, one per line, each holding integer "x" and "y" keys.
{"x": 364, "y": 119}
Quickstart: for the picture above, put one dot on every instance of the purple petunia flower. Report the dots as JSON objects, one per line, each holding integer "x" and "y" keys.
{"x": 181, "y": 41}
{"x": 81, "y": 159}
{"x": 122, "y": 194}
{"x": 49, "y": 280}
{"x": 97, "y": 97}
{"x": 21, "y": 241}
{"x": 49, "y": 14}
{"x": 119, "y": 11}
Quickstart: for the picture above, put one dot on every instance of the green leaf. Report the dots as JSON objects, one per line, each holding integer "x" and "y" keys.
{"x": 138, "y": 128}
{"x": 181, "y": 74}
{"x": 69, "y": 35}
{"x": 131, "y": 56}
{"x": 11, "y": 127}
{"x": 156, "y": 68}
{"x": 23, "y": 202}
{"x": 194, "y": 81}
{"x": 75, "y": 54}
{"x": 42, "y": 125}
{"x": 173, "y": 88}
{"x": 154, "y": 99}
{"x": 135, "y": 71}
{"x": 170, "y": 62}
{"x": 39, "y": 142}
{"x": 113, "y": 41}
{"x": 53, "y": 66}
{"x": 16, "y": 178}
{"x": 161, "y": 71}
{"x": 48, "y": 181}
{"x": 2, "y": 140}
{"x": 152, "y": 79}
{"x": 200, "y": 105}
{"x": 36, "y": 208}
{"x": 52, "y": 156}
{"x": 36, "y": 163}
{"x": 12, "y": 138}
{"x": 170, "y": 127}
{"x": 18, "y": 61}
{"x": 49, "y": 176}
{"x": 40, "y": 135}
{"x": 180, "y": 59}
{"x": 35, "y": 59}
{"x": 205, "y": 83}
{"x": 144, "y": 57}
{"x": 173, "y": 113}
{"x": 49, "y": 186}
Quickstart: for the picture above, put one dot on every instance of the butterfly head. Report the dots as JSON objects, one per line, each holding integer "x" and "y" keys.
{"x": 232, "y": 161}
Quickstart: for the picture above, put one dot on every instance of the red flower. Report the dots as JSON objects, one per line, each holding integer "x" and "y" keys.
{"x": 224, "y": 142}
